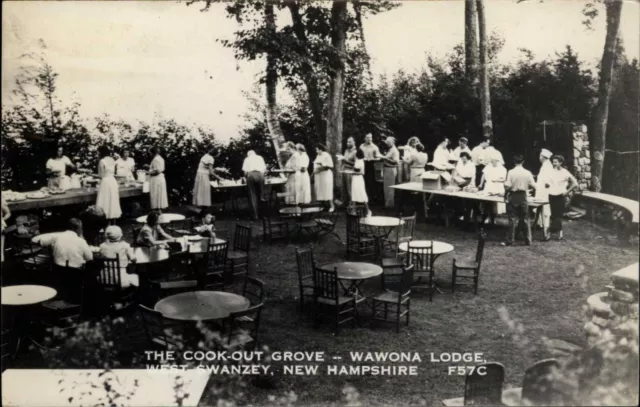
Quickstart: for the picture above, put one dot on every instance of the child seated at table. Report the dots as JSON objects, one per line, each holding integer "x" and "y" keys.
{"x": 207, "y": 226}
{"x": 115, "y": 246}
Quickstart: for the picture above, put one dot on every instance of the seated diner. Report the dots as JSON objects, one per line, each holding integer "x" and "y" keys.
{"x": 114, "y": 247}
{"x": 151, "y": 233}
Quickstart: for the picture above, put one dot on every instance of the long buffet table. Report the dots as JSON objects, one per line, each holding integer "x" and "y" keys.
{"x": 70, "y": 197}
{"x": 475, "y": 196}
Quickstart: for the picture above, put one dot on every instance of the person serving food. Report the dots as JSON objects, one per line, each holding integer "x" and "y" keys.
{"x": 57, "y": 168}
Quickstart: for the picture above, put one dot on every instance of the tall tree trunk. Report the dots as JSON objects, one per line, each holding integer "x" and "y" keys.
{"x": 471, "y": 42}
{"x": 357, "y": 7}
{"x": 485, "y": 94}
{"x": 271, "y": 82}
{"x": 308, "y": 76}
{"x": 601, "y": 113}
{"x": 336, "y": 85}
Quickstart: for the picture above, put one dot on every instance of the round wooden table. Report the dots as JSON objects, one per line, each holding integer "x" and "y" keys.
{"x": 382, "y": 227}
{"x": 26, "y": 294}
{"x": 197, "y": 246}
{"x": 201, "y": 305}
{"x": 164, "y": 218}
{"x": 355, "y": 273}
{"x": 439, "y": 248}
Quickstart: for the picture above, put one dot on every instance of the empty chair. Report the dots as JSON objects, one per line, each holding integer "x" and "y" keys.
{"x": 397, "y": 295}
{"x": 326, "y": 294}
{"x": 253, "y": 290}
{"x": 484, "y": 389}
{"x": 211, "y": 270}
{"x": 159, "y": 333}
{"x": 326, "y": 222}
{"x": 422, "y": 260}
{"x": 162, "y": 289}
{"x": 537, "y": 385}
{"x": 359, "y": 242}
{"x": 466, "y": 270}
{"x": 306, "y": 264}
{"x": 274, "y": 229}
{"x": 238, "y": 256}
{"x": 243, "y": 328}
{"x": 403, "y": 234}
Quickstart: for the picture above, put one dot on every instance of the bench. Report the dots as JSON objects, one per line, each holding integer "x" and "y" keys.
{"x": 627, "y": 217}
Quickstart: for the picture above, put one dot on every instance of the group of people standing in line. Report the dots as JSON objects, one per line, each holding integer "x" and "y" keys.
{"x": 111, "y": 165}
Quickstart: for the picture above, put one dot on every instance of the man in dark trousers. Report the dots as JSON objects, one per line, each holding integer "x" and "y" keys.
{"x": 371, "y": 156}
{"x": 254, "y": 169}
{"x": 519, "y": 181}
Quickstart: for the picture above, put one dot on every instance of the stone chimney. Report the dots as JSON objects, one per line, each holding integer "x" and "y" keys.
{"x": 581, "y": 156}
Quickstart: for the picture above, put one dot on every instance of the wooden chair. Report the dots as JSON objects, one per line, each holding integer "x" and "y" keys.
{"x": 359, "y": 242}
{"x": 461, "y": 269}
{"x": 484, "y": 389}
{"x": 211, "y": 274}
{"x": 158, "y": 332}
{"x": 306, "y": 264}
{"x": 397, "y": 292}
{"x": 274, "y": 229}
{"x": 403, "y": 234}
{"x": 357, "y": 209}
{"x": 537, "y": 387}
{"x": 243, "y": 328}
{"x": 422, "y": 260}
{"x": 253, "y": 290}
{"x": 163, "y": 289}
{"x": 238, "y": 257}
{"x": 327, "y": 293}
{"x": 110, "y": 284}
{"x": 135, "y": 233}
{"x": 326, "y": 222}
{"x": 182, "y": 228}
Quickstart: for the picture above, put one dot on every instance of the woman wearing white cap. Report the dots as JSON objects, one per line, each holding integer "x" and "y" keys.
{"x": 116, "y": 247}
{"x": 542, "y": 193}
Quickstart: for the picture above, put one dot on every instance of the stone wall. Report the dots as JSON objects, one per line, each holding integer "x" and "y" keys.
{"x": 581, "y": 156}
{"x": 615, "y": 310}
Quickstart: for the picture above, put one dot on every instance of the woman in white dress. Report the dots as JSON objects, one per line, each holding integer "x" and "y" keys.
{"x": 157, "y": 182}
{"x": 108, "y": 195}
{"x": 322, "y": 170}
{"x": 408, "y": 151}
{"x": 202, "y": 184}
{"x": 57, "y": 168}
{"x": 492, "y": 182}
{"x": 416, "y": 162}
{"x": 304, "y": 186}
{"x": 358, "y": 190}
{"x": 294, "y": 173}
{"x": 126, "y": 166}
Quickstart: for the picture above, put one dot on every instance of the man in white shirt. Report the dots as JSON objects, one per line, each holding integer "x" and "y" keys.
{"x": 254, "y": 169}
{"x": 463, "y": 145}
{"x": 519, "y": 182}
{"x": 68, "y": 247}
{"x": 542, "y": 193}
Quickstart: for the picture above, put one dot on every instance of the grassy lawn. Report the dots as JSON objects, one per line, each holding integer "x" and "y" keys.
{"x": 543, "y": 287}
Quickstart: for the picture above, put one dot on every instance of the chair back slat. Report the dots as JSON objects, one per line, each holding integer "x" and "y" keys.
{"x": 537, "y": 385}
{"x": 242, "y": 238}
{"x": 253, "y": 290}
{"x": 353, "y": 226}
{"x": 325, "y": 284}
{"x": 398, "y": 282}
{"x": 154, "y": 326}
{"x": 482, "y": 237}
{"x": 248, "y": 321}
{"x": 358, "y": 210}
{"x": 420, "y": 257}
{"x": 306, "y": 263}
{"x": 404, "y": 232}
{"x": 216, "y": 256}
{"x": 109, "y": 272}
{"x": 484, "y": 389}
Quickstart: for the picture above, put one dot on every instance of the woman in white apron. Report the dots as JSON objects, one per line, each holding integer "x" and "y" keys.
{"x": 304, "y": 186}
{"x": 57, "y": 168}
{"x": 493, "y": 177}
{"x": 157, "y": 183}
{"x": 108, "y": 196}
{"x": 542, "y": 192}
{"x": 294, "y": 174}
{"x": 126, "y": 166}
{"x": 202, "y": 183}
{"x": 323, "y": 174}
